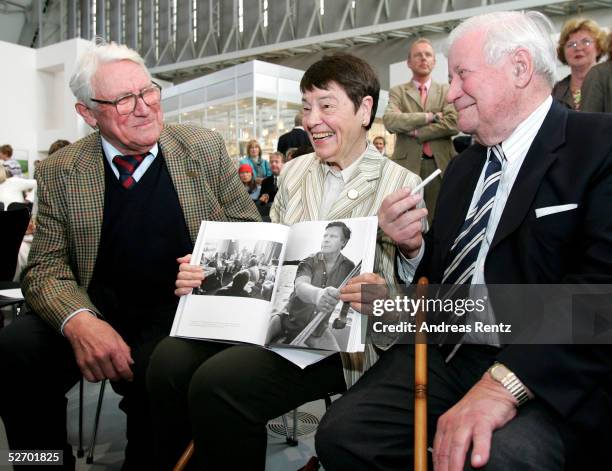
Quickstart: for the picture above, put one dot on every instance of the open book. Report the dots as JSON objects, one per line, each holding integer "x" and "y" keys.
{"x": 270, "y": 284}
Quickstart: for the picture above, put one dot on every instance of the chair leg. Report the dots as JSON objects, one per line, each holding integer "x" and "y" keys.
{"x": 290, "y": 437}
{"x": 80, "y": 451}
{"x": 92, "y": 446}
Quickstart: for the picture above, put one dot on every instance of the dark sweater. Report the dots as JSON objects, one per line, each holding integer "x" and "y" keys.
{"x": 143, "y": 232}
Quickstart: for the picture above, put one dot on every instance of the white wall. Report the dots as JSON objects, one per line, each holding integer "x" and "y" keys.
{"x": 57, "y": 118}
{"x": 18, "y": 117}
{"x": 37, "y": 105}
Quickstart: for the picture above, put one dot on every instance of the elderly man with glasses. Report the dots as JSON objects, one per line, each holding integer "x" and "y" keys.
{"x": 115, "y": 211}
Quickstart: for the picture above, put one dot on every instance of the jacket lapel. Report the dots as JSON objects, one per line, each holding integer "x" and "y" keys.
{"x": 433, "y": 96}
{"x": 413, "y": 93}
{"x": 185, "y": 172}
{"x": 363, "y": 184}
{"x": 85, "y": 199}
{"x": 312, "y": 191}
{"x": 461, "y": 189}
{"x": 538, "y": 160}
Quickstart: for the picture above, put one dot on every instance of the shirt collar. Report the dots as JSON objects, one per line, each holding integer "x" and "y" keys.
{"x": 110, "y": 151}
{"x": 519, "y": 142}
{"x": 346, "y": 173}
{"x": 418, "y": 84}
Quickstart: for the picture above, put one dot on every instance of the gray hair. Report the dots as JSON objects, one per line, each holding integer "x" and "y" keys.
{"x": 508, "y": 31}
{"x": 297, "y": 120}
{"x": 97, "y": 54}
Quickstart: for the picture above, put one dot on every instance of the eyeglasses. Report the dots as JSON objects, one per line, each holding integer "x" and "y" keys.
{"x": 585, "y": 42}
{"x": 126, "y": 104}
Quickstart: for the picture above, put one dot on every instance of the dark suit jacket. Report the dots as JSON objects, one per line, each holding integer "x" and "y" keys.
{"x": 294, "y": 138}
{"x": 267, "y": 187}
{"x": 570, "y": 161}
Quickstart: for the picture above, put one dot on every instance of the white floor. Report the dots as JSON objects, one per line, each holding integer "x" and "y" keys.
{"x": 111, "y": 437}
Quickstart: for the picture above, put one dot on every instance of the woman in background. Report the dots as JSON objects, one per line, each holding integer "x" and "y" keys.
{"x": 245, "y": 172}
{"x": 580, "y": 46}
{"x": 261, "y": 168}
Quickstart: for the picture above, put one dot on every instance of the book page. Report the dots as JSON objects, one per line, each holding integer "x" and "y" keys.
{"x": 240, "y": 262}
{"x": 321, "y": 255}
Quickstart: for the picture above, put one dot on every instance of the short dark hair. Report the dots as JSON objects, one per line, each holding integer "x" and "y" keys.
{"x": 6, "y": 149}
{"x": 346, "y": 232}
{"x": 57, "y": 145}
{"x": 280, "y": 155}
{"x": 353, "y": 74}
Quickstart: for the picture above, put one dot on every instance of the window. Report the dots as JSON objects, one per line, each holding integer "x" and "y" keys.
{"x": 265, "y": 13}
{"x": 240, "y": 16}
{"x": 194, "y": 20}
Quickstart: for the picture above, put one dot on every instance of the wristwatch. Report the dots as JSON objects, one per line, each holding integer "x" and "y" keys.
{"x": 436, "y": 118}
{"x": 508, "y": 380}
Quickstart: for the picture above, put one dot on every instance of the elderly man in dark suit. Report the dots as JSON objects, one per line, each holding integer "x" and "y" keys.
{"x": 528, "y": 204}
{"x": 115, "y": 211}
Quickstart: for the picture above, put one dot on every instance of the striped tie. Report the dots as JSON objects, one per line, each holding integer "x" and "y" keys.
{"x": 464, "y": 251}
{"x": 127, "y": 165}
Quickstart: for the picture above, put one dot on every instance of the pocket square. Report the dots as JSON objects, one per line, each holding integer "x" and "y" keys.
{"x": 540, "y": 212}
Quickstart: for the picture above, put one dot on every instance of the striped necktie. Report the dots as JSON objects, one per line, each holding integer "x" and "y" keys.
{"x": 464, "y": 252}
{"x": 127, "y": 165}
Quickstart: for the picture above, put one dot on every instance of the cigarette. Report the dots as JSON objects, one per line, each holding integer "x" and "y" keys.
{"x": 420, "y": 186}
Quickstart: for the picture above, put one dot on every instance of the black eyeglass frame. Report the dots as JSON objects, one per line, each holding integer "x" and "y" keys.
{"x": 123, "y": 97}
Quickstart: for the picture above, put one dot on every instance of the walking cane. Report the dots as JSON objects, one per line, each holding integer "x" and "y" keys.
{"x": 185, "y": 457}
{"x": 420, "y": 383}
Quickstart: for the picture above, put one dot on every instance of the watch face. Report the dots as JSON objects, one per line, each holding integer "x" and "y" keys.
{"x": 499, "y": 372}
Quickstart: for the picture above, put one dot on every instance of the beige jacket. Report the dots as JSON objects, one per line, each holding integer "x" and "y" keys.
{"x": 405, "y": 113}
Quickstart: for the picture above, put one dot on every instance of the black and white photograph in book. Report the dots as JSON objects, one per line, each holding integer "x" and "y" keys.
{"x": 307, "y": 310}
{"x": 239, "y": 267}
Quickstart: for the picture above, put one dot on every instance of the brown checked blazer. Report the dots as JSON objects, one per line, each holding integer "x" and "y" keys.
{"x": 71, "y": 206}
{"x": 405, "y": 113}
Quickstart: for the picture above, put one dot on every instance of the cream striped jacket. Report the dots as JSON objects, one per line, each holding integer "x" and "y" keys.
{"x": 299, "y": 198}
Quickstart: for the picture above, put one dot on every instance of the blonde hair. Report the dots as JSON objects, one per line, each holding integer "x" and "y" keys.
{"x": 3, "y": 175}
{"x": 581, "y": 24}
{"x": 252, "y": 143}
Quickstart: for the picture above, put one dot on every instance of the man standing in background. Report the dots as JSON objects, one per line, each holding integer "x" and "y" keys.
{"x": 297, "y": 137}
{"x": 422, "y": 120}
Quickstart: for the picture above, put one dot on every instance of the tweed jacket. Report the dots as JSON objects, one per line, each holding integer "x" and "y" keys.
{"x": 71, "y": 207}
{"x": 597, "y": 89}
{"x": 405, "y": 113}
{"x": 299, "y": 198}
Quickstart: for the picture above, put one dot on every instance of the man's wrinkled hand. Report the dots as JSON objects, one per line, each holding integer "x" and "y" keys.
{"x": 485, "y": 408}
{"x": 188, "y": 277}
{"x": 99, "y": 350}
{"x": 361, "y": 298}
{"x": 401, "y": 220}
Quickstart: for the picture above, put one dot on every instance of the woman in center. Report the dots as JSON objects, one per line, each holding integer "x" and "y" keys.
{"x": 219, "y": 394}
